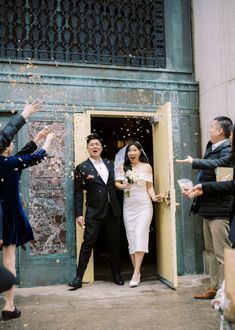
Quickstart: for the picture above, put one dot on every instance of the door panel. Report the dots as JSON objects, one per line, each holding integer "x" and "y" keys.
{"x": 82, "y": 128}
{"x": 164, "y": 183}
{"x": 47, "y": 190}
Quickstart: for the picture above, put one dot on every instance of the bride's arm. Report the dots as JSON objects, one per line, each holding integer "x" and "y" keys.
{"x": 150, "y": 187}
{"x": 152, "y": 194}
{"x": 120, "y": 182}
{"x": 120, "y": 185}
{"x": 151, "y": 191}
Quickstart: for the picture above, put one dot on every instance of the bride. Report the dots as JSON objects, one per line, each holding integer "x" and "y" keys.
{"x": 135, "y": 178}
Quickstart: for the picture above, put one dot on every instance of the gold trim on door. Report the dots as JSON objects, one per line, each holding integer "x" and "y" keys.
{"x": 164, "y": 183}
{"x": 82, "y": 128}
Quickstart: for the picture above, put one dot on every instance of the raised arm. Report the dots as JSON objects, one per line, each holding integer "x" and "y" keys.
{"x": 207, "y": 164}
{"x": 47, "y": 143}
{"x": 24, "y": 161}
{"x": 13, "y": 126}
{"x": 9, "y": 131}
{"x": 31, "y": 146}
{"x": 31, "y": 108}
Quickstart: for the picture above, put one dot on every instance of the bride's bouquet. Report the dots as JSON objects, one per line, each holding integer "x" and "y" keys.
{"x": 131, "y": 177}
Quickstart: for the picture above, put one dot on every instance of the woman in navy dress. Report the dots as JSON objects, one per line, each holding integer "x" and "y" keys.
{"x": 9, "y": 131}
{"x": 7, "y": 279}
{"x": 16, "y": 228}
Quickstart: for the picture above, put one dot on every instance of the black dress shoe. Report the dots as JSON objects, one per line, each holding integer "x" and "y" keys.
{"x": 76, "y": 283}
{"x": 7, "y": 315}
{"x": 117, "y": 279}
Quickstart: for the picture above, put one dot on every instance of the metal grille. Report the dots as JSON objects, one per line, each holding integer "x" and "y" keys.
{"x": 111, "y": 32}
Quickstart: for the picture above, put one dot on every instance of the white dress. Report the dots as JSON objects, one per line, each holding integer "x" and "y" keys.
{"x": 137, "y": 213}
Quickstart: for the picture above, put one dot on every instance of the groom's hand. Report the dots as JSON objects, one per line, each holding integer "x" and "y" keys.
{"x": 80, "y": 221}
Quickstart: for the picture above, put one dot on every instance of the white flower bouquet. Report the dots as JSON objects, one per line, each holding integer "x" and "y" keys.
{"x": 131, "y": 177}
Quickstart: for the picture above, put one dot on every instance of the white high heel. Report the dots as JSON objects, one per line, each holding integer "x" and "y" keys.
{"x": 134, "y": 284}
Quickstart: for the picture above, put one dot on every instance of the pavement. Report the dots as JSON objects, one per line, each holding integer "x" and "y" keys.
{"x": 106, "y": 306}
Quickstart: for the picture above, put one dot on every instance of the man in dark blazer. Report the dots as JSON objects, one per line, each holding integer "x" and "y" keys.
{"x": 215, "y": 209}
{"x": 96, "y": 177}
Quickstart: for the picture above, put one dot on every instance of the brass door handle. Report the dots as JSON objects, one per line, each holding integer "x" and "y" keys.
{"x": 167, "y": 198}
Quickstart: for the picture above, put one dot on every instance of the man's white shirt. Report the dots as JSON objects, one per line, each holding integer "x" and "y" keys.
{"x": 101, "y": 169}
{"x": 215, "y": 145}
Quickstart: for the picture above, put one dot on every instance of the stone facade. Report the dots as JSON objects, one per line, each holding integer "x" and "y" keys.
{"x": 69, "y": 89}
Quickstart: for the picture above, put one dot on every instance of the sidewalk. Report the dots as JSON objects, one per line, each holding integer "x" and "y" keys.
{"x": 106, "y": 306}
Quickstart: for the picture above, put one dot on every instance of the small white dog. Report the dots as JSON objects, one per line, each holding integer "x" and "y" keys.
{"x": 225, "y": 307}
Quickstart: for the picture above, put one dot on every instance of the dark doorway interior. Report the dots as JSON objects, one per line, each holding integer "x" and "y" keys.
{"x": 116, "y": 133}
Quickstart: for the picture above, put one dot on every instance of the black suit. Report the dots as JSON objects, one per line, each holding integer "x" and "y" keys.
{"x": 218, "y": 206}
{"x": 102, "y": 209}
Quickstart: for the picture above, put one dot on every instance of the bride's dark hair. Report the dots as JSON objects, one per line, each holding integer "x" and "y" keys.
{"x": 143, "y": 158}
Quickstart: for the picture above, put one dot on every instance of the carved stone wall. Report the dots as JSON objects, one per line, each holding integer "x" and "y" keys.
{"x": 65, "y": 95}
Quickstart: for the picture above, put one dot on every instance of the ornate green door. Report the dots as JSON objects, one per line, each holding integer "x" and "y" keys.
{"x": 47, "y": 190}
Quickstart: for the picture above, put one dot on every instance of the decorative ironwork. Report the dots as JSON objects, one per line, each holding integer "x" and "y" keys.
{"x": 110, "y": 32}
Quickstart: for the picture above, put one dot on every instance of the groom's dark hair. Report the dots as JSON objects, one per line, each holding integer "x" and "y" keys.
{"x": 94, "y": 136}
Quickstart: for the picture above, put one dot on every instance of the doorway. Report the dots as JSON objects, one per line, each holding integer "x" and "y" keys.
{"x": 116, "y": 132}
{"x": 162, "y": 149}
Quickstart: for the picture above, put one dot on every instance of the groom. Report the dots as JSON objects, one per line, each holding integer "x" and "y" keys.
{"x": 96, "y": 177}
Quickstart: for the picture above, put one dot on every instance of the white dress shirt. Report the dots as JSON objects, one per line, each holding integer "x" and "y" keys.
{"x": 101, "y": 169}
{"x": 215, "y": 145}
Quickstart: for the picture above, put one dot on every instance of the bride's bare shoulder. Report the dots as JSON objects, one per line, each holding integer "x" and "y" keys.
{"x": 147, "y": 167}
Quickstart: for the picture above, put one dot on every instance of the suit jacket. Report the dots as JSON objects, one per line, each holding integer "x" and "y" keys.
{"x": 9, "y": 131}
{"x": 216, "y": 206}
{"x": 29, "y": 148}
{"x": 98, "y": 194}
{"x": 223, "y": 188}
{"x": 207, "y": 164}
